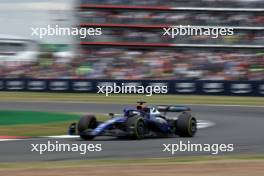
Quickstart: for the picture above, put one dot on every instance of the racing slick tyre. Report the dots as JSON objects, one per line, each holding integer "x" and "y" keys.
{"x": 85, "y": 123}
{"x": 186, "y": 125}
{"x": 136, "y": 127}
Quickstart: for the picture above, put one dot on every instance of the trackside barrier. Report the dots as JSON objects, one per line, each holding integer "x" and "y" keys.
{"x": 229, "y": 88}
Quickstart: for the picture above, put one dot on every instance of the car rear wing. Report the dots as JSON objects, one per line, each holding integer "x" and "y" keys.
{"x": 172, "y": 108}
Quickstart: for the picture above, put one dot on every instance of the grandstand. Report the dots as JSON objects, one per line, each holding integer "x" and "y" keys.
{"x": 132, "y": 45}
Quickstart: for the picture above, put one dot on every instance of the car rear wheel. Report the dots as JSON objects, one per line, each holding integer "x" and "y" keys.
{"x": 85, "y": 123}
{"x": 186, "y": 125}
{"x": 136, "y": 127}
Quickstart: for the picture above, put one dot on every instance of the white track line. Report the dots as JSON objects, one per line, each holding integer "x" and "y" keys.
{"x": 3, "y": 140}
{"x": 62, "y": 136}
{"x": 204, "y": 124}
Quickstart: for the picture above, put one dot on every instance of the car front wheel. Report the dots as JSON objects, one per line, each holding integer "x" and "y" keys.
{"x": 136, "y": 127}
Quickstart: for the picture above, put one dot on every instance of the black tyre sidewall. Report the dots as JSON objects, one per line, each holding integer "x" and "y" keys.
{"x": 133, "y": 125}
{"x": 85, "y": 123}
{"x": 184, "y": 125}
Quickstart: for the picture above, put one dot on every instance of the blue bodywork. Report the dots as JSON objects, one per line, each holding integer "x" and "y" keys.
{"x": 142, "y": 121}
{"x": 99, "y": 130}
{"x": 151, "y": 120}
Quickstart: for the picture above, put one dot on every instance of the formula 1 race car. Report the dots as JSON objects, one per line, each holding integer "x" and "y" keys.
{"x": 138, "y": 123}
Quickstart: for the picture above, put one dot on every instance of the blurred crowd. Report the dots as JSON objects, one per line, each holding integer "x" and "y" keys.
{"x": 110, "y": 63}
{"x": 148, "y": 63}
{"x": 181, "y": 3}
{"x": 173, "y": 18}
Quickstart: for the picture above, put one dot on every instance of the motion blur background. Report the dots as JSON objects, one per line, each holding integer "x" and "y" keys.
{"x": 132, "y": 45}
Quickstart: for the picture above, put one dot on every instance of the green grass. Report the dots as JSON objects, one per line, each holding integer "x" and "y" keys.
{"x": 33, "y": 124}
{"x": 35, "y": 130}
{"x": 131, "y": 99}
{"x": 150, "y": 161}
{"x": 33, "y": 117}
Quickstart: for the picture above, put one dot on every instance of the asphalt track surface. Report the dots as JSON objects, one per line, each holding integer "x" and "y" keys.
{"x": 241, "y": 126}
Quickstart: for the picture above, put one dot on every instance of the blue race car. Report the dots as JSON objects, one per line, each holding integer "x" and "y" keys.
{"x": 138, "y": 123}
